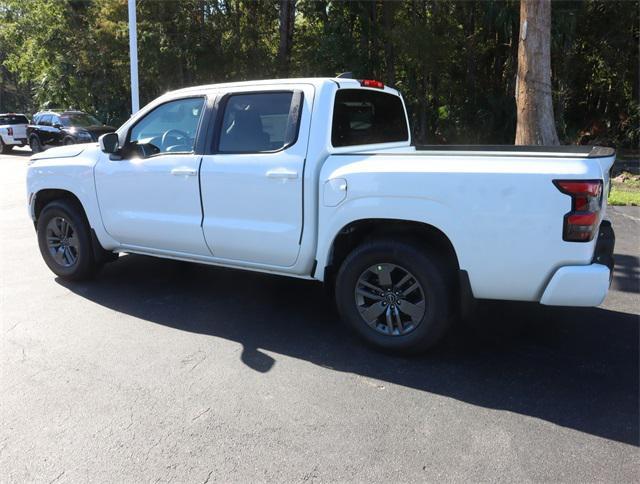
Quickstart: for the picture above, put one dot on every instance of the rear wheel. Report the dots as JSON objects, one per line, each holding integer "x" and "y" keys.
{"x": 65, "y": 241}
{"x": 34, "y": 144}
{"x": 4, "y": 148}
{"x": 394, "y": 295}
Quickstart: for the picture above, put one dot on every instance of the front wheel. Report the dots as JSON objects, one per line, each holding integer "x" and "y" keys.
{"x": 35, "y": 145}
{"x": 395, "y": 295}
{"x": 65, "y": 241}
{"x": 68, "y": 141}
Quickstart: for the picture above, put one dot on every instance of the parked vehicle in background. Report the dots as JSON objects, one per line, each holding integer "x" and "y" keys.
{"x": 318, "y": 179}
{"x": 56, "y": 128}
{"x": 13, "y": 131}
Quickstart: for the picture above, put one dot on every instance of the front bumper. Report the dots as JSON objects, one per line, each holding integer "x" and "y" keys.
{"x": 584, "y": 285}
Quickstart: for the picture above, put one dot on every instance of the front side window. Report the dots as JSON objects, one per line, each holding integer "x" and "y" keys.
{"x": 169, "y": 128}
{"x": 79, "y": 120}
{"x": 259, "y": 122}
{"x": 364, "y": 117}
{"x": 45, "y": 120}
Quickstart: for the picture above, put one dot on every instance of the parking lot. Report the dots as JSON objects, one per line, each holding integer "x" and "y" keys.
{"x": 168, "y": 371}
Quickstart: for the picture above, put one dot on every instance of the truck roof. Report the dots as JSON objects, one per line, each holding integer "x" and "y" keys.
{"x": 315, "y": 81}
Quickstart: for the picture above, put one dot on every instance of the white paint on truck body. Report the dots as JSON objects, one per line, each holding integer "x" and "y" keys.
{"x": 280, "y": 212}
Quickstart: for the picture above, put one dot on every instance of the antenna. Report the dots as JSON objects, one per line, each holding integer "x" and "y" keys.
{"x": 345, "y": 75}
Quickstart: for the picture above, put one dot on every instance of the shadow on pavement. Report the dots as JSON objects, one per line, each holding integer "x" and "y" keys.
{"x": 577, "y": 368}
{"x": 626, "y": 276}
{"x": 20, "y": 152}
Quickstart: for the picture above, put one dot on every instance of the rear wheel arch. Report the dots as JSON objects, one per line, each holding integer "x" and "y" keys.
{"x": 420, "y": 234}
{"x": 359, "y": 231}
{"x": 395, "y": 295}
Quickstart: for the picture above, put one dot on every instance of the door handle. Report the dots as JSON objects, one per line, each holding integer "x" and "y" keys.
{"x": 282, "y": 173}
{"x": 184, "y": 172}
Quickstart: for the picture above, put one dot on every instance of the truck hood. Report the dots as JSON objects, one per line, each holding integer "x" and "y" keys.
{"x": 60, "y": 152}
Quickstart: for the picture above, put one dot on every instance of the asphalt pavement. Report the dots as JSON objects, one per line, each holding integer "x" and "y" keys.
{"x": 161, "y": 371}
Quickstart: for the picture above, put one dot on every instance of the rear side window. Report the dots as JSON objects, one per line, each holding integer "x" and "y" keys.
{"x": 363, "y": 117}
{"x": 260, "y": 122}
{"x": 13, "y": 119}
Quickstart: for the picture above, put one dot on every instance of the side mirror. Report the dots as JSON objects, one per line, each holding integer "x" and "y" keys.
{"x": 109, "y": 142}
{"x": 57, "y": 125}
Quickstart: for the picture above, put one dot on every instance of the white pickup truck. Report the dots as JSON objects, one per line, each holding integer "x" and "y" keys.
{"x": 13, "y": 131}
{"x": 318, "y": 179}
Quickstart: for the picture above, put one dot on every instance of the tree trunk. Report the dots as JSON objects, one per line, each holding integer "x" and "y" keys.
{"x": 287, "y": 20}
{"x": 536, "y": 125}
{"x": 388, "y": 13}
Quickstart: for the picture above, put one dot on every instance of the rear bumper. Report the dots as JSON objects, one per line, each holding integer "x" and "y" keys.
{"x": 584, "y": 285}
{"x": 15, "y": 141}
{"x": 577, "y": 286}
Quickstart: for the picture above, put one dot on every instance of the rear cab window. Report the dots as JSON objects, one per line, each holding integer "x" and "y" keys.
{"x": 366, "y": 117}
{"x": 13, "y": 119}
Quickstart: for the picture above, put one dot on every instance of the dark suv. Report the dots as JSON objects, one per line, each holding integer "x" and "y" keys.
{"x": 56, "y": 128}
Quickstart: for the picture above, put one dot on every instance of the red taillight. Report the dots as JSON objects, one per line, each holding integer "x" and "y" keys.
{"x": 372, "y": 83}
{"x": 10, "y": 131}
{"x": 581, "y": 224}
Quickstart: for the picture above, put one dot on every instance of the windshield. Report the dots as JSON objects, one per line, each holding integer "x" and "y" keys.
{"x": 82, "y": 120}
{"x": 13, "y": 119}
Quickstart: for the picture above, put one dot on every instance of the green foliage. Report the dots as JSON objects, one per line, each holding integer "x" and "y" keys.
{"x": 624, "y": 197}
{"x": 454, "y": 61}
{"x": 625, "y": 189}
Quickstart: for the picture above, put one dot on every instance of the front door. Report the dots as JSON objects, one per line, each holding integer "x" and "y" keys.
{"x": 252, "y": 183}
{"x": 150, "y": 199}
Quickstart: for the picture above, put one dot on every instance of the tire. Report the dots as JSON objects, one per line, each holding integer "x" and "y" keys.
{"x": 74, "y": 259}
{"x": 68, "y": 141}
{"x": 420, "y": 295}
{"x": 35, "y": 145}
{"x": 4, "y": 148}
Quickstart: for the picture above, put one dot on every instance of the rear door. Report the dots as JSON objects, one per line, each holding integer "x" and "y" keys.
{"x": 252, "y": 178}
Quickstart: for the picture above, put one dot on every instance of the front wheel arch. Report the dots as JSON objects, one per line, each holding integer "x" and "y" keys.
{"x": 48, "y": 195}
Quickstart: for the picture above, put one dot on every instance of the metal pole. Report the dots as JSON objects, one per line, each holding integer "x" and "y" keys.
{"x": 133, "y": 57}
